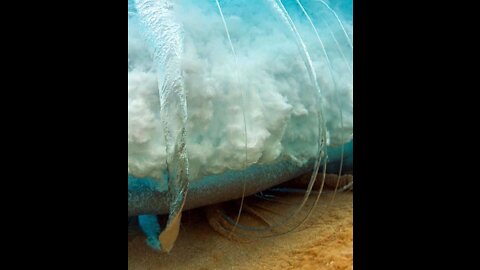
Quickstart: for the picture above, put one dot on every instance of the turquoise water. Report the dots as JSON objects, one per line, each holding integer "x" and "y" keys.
{"x": 223, "y": 93}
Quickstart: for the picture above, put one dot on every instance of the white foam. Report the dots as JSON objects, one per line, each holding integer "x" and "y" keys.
{"x": 281, "y": 107}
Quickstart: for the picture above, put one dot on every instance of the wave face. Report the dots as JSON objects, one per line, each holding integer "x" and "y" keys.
{"x": 240, "y": 90}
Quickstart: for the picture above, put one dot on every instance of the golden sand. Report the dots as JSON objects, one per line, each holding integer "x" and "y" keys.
{"x": 326, "y": 242}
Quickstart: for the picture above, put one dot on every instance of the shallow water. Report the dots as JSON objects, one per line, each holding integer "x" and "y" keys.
{"x": 233, "y": 86}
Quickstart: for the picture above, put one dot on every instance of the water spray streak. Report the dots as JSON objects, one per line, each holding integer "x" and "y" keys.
{"x": 339, "y": 22}
{"x": 166, "y": 39}
{"x": 282, "y": 12}
{"x": 243, "y": 114}
{"x": 329, "y": 63}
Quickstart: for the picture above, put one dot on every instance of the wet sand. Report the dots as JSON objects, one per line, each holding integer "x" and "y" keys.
{"x": 324, "y": 242}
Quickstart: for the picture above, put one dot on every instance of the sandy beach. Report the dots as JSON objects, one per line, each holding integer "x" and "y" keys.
{"x": 325, "y": 241}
